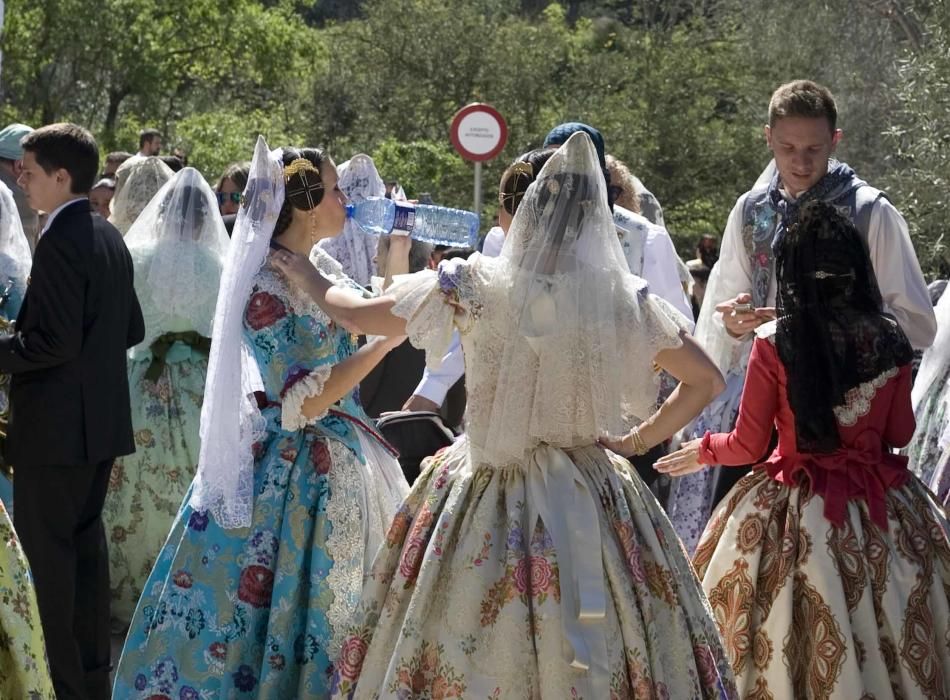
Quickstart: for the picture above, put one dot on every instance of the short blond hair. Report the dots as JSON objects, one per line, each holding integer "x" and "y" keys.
{"x": 625, "y": 185}
{"x": 803, "y": 98}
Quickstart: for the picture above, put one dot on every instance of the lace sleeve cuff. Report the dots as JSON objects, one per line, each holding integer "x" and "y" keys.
{"x": 428, "y": 311}
{"x": 298, "y": 389}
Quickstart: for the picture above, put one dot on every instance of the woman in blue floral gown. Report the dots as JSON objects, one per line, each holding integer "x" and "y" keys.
{"x": 178, "y": 244}
{"x": 254, "y": 588}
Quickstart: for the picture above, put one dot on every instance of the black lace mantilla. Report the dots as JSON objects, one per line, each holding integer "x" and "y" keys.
{"x": 833, "y": 334}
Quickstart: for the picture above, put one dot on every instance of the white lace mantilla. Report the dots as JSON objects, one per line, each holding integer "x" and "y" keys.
{"x": 549, "y": 401}
{"x": 858, "y": 400}
{"x": 345, "y": 545}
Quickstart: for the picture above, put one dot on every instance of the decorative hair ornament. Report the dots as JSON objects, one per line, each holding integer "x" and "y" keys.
{"x": 298, "y": 166}
{"x": 523, "y": 169}
{"x": 304, "y": 170}
{"x": 822, "y": 275}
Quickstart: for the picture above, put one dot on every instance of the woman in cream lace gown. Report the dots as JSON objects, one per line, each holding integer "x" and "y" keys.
{"x": 528, "y": 561}
{"x": 178, "y": 245}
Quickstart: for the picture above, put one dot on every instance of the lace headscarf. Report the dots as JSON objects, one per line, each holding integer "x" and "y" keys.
{"x": 15, "y": 257}
{"x": 230, "y": 419}
{"x": 179, "y": 244}
{"x": 355, "y": 248}
{"x": 136, "y": 182}
{"x": 579, "y": 337}
{"x": 833, "y": 334}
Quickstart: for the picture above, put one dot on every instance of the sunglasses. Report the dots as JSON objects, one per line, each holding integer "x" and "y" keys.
{"x": 223, "y": 197}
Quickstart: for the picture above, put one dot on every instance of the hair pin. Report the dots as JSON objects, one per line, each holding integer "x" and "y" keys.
{"x": 522, "y": 168}
{"x": 822, "y": 275}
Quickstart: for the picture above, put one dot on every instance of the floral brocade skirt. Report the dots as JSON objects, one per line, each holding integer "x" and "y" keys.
{"x": 810, "y": 610}
{"x": 259, "y": 612}
{"x": 146, "y": 488}
{"x": 490, "y": 586}
{"x": 24, "y": 670}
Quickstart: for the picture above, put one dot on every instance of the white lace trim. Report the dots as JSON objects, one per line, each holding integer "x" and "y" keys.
{"x": 858, "y": 400}
{"x": 271, "y": 281}
{"x": 346, "y": 542}
{"x": 291, "y": 409}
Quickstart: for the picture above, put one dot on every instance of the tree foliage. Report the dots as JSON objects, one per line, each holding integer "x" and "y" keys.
{"x": 678, "y": 87}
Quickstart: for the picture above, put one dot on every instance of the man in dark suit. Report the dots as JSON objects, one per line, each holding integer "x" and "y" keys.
{"x": 69, "y": 395}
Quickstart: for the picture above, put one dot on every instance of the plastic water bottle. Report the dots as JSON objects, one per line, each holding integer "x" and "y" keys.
{"x": 423, "y": 222}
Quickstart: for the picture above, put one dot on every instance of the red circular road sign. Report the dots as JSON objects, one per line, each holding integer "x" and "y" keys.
{"x": 478, "y": 132}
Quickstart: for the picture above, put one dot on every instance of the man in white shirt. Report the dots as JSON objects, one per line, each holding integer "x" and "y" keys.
{"x": 802, "y": 134}
{"x": 150, "y": 143}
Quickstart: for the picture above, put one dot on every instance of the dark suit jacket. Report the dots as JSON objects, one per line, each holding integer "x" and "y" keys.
{"x": 69, "y": 393}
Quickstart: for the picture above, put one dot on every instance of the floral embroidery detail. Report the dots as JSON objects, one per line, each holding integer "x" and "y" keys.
{"x": 244, "y": 679}
{"x": 264, "y": 309}
{"x": 198, "y": 520}
{"x": 256, "y": 585}
{"x": 350, "y": 662}
{"x": 426, "y": 675}
{"x": 526, "y": 576}
{"x": 396, "y": 534}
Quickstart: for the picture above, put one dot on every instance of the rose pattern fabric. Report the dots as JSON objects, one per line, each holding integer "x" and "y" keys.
{"x": 464, "y": 598}
{"x": 250, "y": 612}
{"x": 146, "y": 488}
{"x": 24, "y": 670}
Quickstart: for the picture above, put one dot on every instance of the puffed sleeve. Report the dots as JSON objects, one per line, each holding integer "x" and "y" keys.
{"x": 434, "y": 302}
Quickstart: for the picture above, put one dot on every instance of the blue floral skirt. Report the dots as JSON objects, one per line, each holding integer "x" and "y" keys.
{"x": 252, "y": 612}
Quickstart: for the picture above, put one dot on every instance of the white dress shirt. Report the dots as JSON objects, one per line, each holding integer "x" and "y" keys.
{"x": 494, "y": 240}
{"x": 892, "y": 255}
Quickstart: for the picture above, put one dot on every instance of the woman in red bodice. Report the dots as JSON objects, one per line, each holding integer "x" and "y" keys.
{"x": 828, "y": 567}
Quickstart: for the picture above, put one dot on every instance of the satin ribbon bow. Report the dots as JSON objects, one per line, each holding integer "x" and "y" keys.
{"x": 864, "y": 469}
{"x": 161, "y": 345}
{"x": 559, "y": 496}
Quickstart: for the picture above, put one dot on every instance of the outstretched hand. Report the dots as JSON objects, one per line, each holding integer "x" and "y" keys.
{"x": 682, "y": 462}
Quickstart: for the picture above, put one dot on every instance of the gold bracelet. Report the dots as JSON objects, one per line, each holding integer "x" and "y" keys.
{"x": 639, "y": 445}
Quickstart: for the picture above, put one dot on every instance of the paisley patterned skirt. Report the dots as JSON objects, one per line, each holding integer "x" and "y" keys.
{"x": 472, "y": 595}
{"x": 146, "y": 488}
{"x": 260, "y": 612}
{"x": 810, "y": 610}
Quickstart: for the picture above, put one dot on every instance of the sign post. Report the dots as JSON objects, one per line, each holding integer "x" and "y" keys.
{"x": 478, "y": 133}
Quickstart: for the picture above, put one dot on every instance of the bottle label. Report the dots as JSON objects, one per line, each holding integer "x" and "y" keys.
{"x": 405, "y": 219}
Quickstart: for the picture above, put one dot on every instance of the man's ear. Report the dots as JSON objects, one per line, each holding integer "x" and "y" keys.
{"x": 836, "y": 138}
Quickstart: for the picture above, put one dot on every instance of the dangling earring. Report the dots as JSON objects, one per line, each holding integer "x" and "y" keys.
{"x": 313, "y": 226}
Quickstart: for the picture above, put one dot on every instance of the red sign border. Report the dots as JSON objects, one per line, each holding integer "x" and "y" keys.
{"x": 457, "y": 120}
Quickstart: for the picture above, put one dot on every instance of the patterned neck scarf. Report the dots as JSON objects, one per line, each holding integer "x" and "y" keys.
{"x": 839, "y": 181}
